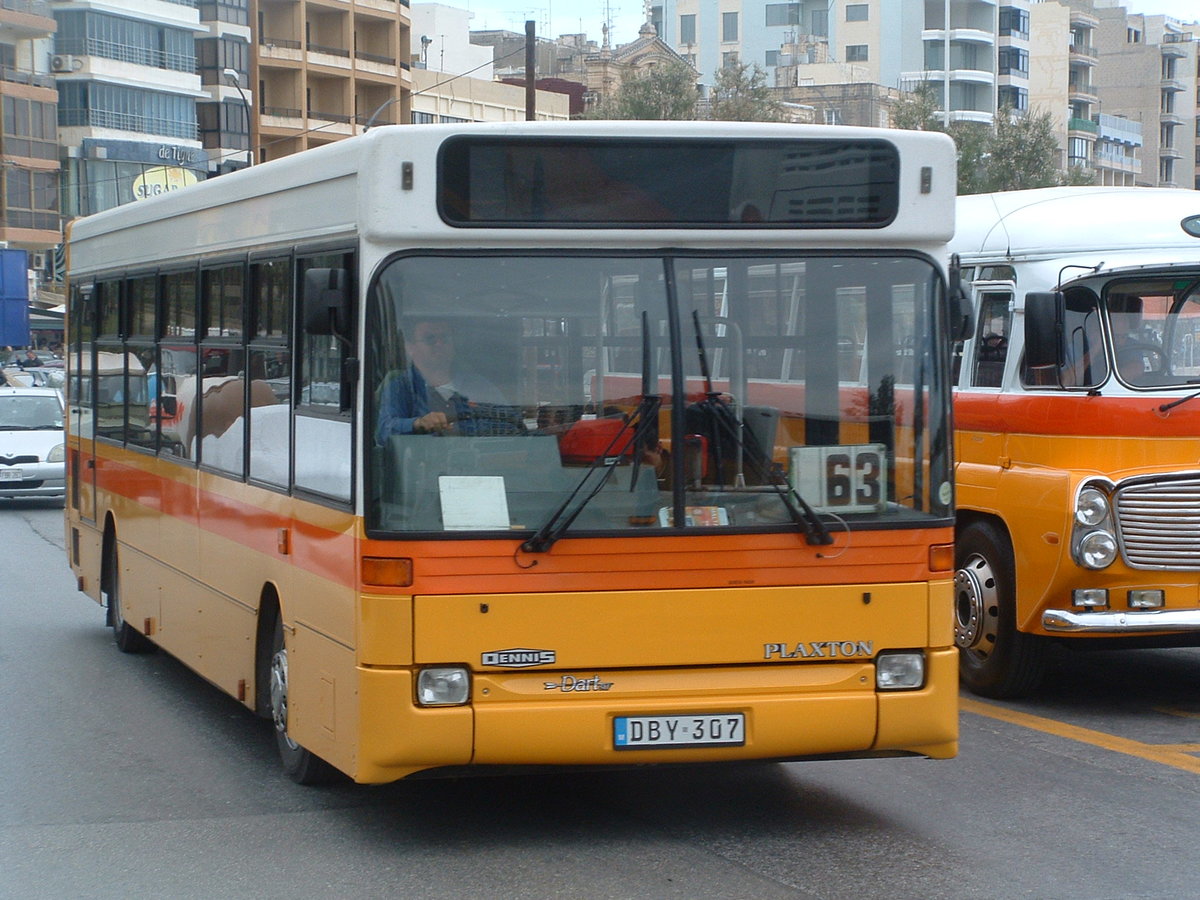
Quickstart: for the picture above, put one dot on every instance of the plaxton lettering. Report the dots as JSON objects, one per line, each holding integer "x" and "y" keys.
{"x": 820, "y": 650}
{"x": 518, "y": 658}
{"x": 569, "y": 684}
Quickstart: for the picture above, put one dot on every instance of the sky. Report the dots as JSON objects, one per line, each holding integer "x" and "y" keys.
{"x": 555, "y": 17}
{"x": 1186, "y": 10}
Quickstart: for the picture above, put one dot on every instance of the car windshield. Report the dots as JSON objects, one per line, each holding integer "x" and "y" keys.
{"x": 30, "y": 413}
{"x": 602, "y": 394}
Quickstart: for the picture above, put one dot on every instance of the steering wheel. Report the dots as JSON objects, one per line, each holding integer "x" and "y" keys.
{"x": 1136, "y": 353}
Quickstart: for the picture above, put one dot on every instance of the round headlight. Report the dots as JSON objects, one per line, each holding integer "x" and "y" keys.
{"x": 1097, "y": 549}
{"x": 1091, "y": 508}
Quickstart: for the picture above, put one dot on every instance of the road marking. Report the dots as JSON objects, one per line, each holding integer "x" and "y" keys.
{"x": 1167, "y": 755}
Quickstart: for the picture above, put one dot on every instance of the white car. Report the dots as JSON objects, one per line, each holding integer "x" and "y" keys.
{"x": 32, "y": 449}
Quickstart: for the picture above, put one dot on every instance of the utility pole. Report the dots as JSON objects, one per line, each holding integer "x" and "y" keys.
{"x": 530, "y": 66}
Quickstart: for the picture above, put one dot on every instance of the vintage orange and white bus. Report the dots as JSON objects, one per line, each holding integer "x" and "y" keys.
{"x": 591, "y": 444}
{"x": 1078, "y": 427}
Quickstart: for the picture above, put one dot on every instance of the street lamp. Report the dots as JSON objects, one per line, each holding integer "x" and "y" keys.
{"x": 231, "y": 76}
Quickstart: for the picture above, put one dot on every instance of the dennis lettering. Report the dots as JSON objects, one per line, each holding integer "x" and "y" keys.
{"x": 518, "y": 658}
{"x": 820, "y": 650}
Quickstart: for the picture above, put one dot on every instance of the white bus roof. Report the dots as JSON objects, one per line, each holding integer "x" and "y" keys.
{"x": 353, "y": 187}
{"x": 1063, "y": 221}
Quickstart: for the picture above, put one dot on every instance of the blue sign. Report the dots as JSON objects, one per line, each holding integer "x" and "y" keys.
{"x": 14, "y": 298}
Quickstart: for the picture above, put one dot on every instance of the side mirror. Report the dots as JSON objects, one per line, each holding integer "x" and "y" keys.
{"x": 1045, "y": 313}
{"x": 959, "y": 312}
{"x": 326, "y": 301}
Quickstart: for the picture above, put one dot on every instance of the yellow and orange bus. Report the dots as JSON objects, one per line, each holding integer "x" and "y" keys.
{"x": 678, "y": 490}
{"x": 1077, "y": 415}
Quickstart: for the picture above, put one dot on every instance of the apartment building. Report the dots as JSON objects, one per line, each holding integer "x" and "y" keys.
{"x": 949, "y": 44}
{"x": 1149, "y": 77}
{"x": 29, "y": 202}
{"x": 127, "y": 96}
{"x": 323, "y": 69}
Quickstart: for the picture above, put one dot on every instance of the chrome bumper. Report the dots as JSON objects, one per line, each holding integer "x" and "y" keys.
{"x": 1121, "y": 622}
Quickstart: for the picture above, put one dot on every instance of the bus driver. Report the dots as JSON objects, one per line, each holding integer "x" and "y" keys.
{"x": 431, "y": 395}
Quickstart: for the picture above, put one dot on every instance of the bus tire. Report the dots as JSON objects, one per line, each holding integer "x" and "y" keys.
{"x": 300, "y": 765}
{"x": 995, "y": 659}
{"x": 127, "y": 638}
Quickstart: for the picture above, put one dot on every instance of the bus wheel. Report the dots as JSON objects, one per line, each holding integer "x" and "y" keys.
{"x": 995, "y": 660}
{"x": 299, "y": 764}
{"x": 127, "y": 638}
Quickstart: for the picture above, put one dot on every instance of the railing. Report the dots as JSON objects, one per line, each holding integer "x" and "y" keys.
{"x": 375, "y": 58}
{"x": 158, "y": 59}
{"x": 284, "y": 43}
{"x": 17, "y": 76}
{"x": 1077, "y": 124}
{"x": 32, "y": 7}
{"x": 282, "y": 112}
{"x": 330, "y": 117}
{"x": 330, "y": 51}
{"x": 100, "y": 118}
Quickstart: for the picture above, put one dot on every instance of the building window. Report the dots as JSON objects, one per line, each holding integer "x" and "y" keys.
{"x": 783, "y": 14}
{"x": 1015, "y": 97}
{"x": 103, "y": 105}
{"x": 423, "y": 118}
{"x": 1013, "y": 61}
{"x": 687, "y": 29}
{"x": 1133, "y": 36}
{"x": 856, "y": 53}
{"x": 30, "y": 128}
{"x": 1166, "y": 170}
{"x": 86, "y": 33}
{"x": 857, "y": 12}
{"x": 1014, "y": 22}
{"x": 1079, "y": 152}
{"x": 235, "y": 11}
{"x": 1167, "y": 102}
{"x": 31, "y": 199}
{"x": 215, "y": 55}
{"x": 729, "y": 26}
{"x": 772, "y": 58}
{"x": 729, "y": 60}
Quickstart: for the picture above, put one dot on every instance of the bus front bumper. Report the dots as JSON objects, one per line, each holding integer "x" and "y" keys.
{"x": 1065, "y": 621}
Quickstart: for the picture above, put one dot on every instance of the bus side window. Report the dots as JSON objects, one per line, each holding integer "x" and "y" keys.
{"x": 993, "y": 325}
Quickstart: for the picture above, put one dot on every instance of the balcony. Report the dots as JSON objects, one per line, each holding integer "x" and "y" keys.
{"x": 957, "y": 35}
{"x": 1083, "y": 126}
{"x": 1170, "y": 153}
{"x": 1083, "y": 55}
{"x": 1171, "y": 118}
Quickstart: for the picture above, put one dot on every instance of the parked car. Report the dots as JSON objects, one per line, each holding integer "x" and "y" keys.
{"x": 32, "y": 449}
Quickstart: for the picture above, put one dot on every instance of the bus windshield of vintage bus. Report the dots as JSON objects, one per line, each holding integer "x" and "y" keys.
{"x": 600, "y": 394}
{"x": 1155, "y": 327}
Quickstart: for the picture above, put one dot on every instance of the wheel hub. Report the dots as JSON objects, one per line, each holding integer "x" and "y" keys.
{"x": 279, "y": 694}
{"x": 976, "y": 606}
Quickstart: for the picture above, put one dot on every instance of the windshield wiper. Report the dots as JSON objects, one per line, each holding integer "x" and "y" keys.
{"x": 645, "y": 415}
{"x": 718, "y": 412}
{"x": 1167, "y": 407}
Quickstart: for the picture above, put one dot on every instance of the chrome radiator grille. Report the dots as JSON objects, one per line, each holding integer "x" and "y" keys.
{"x": 1159, "y": 524}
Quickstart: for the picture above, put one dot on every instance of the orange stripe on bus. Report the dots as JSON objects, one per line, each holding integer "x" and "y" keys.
{"x": 1075, "y": 414}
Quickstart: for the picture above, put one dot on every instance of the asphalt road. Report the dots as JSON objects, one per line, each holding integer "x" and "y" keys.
{"x": 128, "y": 777}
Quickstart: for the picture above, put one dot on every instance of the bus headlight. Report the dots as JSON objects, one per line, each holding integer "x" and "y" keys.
{"x": 1096, "y": 550}
{"x": 900, "y": 670}
{"x": 443, "y": 686}
{"x": 1091, "y": 507}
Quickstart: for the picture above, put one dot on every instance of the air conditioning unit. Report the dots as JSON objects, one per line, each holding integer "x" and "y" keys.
{"x": 63, "y": 62}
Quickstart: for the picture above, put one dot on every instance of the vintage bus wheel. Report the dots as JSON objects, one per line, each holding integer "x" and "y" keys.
{"x": 995, "y": 660}
{"x": 300, "y": 765}
{"x": 127, "y": 638}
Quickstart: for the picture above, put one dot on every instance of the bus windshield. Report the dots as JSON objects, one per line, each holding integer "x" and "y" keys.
{"x": 619, "y": 393}
{"x": 1155, "y": 326}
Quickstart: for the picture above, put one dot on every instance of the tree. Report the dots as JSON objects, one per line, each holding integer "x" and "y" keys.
{"x": 1017, "y": 152}
{"x": 740, "y": 94}
{"x": 664, "y": 91}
